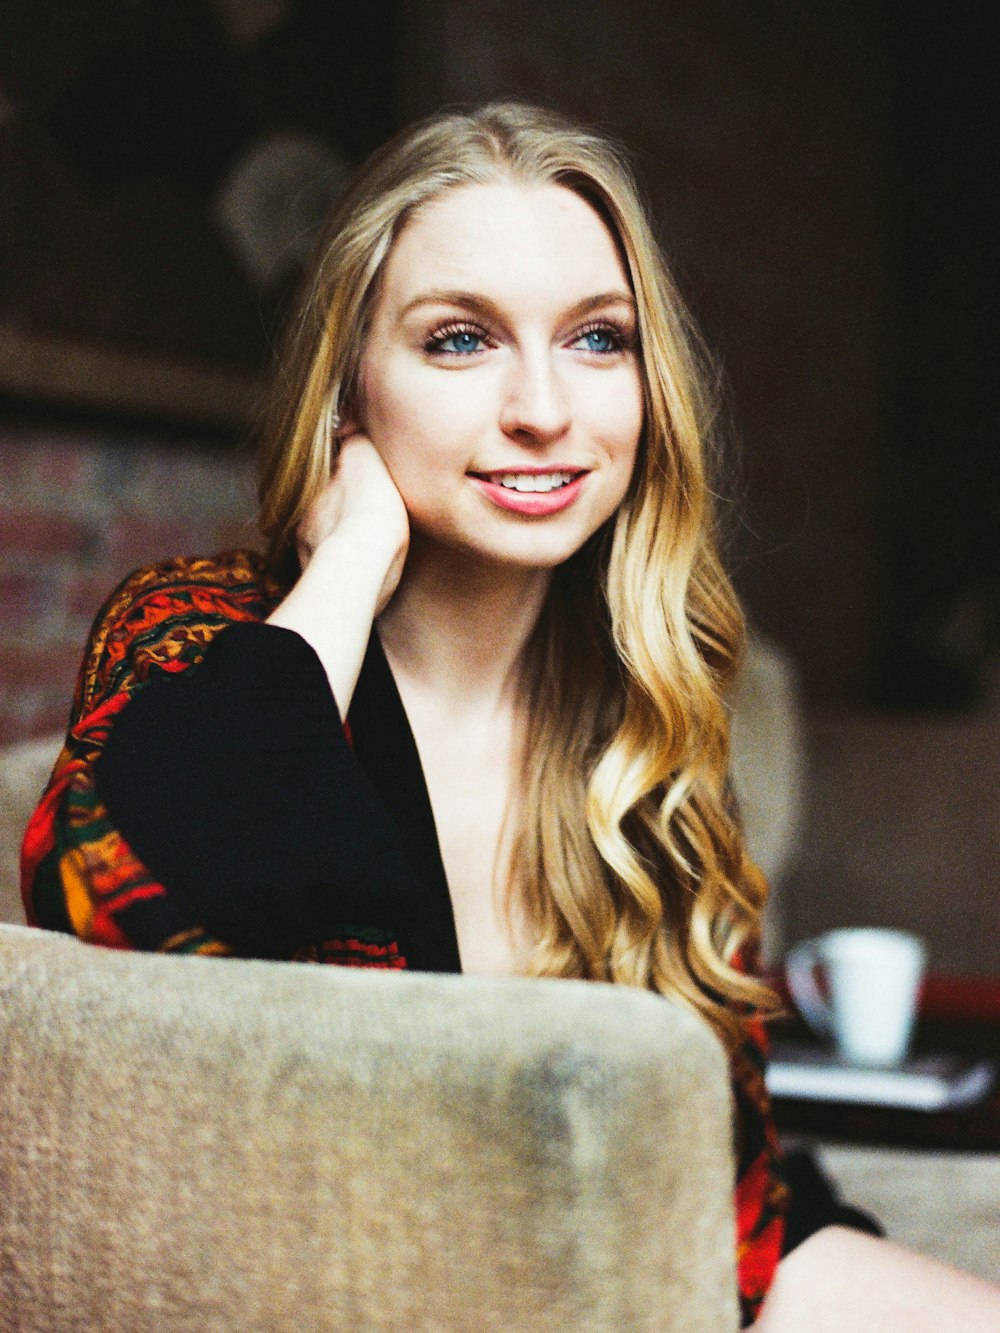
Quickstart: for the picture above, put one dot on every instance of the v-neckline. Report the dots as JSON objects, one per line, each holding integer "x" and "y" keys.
{"x": 387, "y": 750}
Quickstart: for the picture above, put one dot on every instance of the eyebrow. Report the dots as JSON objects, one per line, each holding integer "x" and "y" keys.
{"x": 478, "y": 302}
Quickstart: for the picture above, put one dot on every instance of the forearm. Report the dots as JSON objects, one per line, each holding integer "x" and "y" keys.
{"x": 235, "y": 784}
{"x": 352, "y": 544}
{"x": 333, "y": 605}
{"x": 80, "y": 875}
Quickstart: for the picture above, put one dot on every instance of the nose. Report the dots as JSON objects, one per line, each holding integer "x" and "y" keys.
{"x": 535, "y": 407}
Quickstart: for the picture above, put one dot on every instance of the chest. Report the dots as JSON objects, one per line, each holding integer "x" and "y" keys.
{"x": 471, "y": 782}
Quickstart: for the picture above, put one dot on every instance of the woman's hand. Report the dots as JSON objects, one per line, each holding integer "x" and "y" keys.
{"x": 352, "y": 546}
{"x": 360, "y": 508}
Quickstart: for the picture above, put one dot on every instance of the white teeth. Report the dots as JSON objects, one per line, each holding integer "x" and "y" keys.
{"x": 526, "y": 481}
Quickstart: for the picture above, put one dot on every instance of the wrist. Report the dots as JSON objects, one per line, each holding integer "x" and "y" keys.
{"x": 360, "y": 542}
{"x": 347, "y": 558}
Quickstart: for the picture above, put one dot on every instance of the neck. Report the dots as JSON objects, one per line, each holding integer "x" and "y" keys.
{"x": 458, "y": 629}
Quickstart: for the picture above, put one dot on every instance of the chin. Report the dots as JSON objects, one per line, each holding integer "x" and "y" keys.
{"x": 536, "y": 556}
{"x": 527, "y": 544}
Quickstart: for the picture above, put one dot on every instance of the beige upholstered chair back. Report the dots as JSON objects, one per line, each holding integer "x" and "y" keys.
{"x": 214, "y": 1145}
{"x": 24, "y": 773}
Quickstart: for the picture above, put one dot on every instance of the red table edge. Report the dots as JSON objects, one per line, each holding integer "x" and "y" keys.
{"x": 964, "y": 999}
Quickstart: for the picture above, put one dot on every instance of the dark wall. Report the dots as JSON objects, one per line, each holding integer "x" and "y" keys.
{"x": 758, "y": 130}
{"x": 824, "y": 175}
{"x": 939, "y": 517}
{"x": 125, "y": 120}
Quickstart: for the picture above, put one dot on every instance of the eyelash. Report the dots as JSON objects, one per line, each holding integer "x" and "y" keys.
{"x": 435, "y": 343}
{"x": 621, "y": 338}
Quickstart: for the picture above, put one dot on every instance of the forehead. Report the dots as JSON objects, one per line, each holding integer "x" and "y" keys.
{"x": 507, "y": 239}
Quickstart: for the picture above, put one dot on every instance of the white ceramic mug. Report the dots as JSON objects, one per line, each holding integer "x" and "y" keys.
{"x": 872, "y": 986}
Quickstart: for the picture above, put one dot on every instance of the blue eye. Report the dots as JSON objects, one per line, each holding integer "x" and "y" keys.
{"x": 601, "y": 340}
{"x": 460, "y": 343}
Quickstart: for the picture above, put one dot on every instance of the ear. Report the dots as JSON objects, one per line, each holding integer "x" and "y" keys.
{"x": 348, "y": 418}
{"x": 347, "y": 425}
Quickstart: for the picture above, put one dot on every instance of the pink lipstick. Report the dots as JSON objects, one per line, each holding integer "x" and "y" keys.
{"x": 533, "y": 492}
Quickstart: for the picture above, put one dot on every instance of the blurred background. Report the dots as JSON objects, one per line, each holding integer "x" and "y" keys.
{"x": 822, "y": 175}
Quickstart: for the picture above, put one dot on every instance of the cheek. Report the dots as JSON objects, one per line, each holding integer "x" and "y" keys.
{"x": 392, "y": 415}
{"x": 616, "y": 416}
{"x": 417, "y": 420}
{"x": 382, "y": 401}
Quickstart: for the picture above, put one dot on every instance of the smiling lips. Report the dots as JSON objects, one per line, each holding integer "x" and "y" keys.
{"x": 533, "y": 493}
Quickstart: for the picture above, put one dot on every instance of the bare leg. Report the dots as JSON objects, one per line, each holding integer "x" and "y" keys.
{"x": 843, "y": 1281}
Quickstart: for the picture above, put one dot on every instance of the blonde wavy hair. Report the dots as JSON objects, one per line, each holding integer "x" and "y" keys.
{"x": 629, "y": 862}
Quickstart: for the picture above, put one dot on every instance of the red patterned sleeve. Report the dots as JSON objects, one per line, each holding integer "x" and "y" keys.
{"x": 762, "y": 1198}
{"x": 78, "y": 873}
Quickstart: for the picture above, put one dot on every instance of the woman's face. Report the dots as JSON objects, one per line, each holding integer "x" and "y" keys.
{"x": 501, "y": 380}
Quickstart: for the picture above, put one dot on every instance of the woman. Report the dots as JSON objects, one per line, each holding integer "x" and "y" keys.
{"x": 490, "y": 552}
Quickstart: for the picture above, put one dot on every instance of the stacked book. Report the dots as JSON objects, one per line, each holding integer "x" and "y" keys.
{"x": 924, "y": 1083}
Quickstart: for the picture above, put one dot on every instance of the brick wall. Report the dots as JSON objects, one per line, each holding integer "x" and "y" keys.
{"x": 78, "y": 511}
